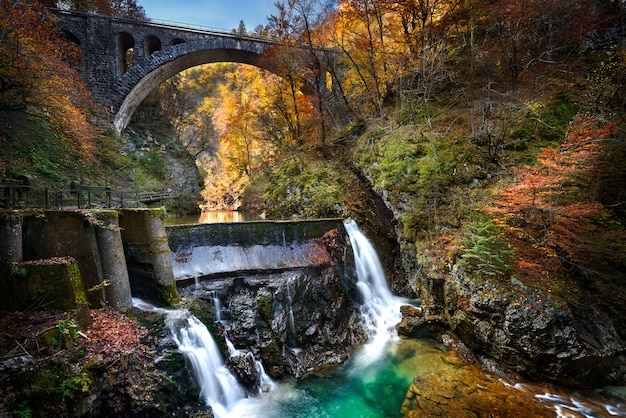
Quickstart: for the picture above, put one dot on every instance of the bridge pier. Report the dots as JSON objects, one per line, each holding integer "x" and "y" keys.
{"x": 147, "y": 255}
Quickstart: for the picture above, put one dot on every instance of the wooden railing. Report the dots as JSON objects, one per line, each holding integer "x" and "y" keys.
{"x": 15, "y": 196}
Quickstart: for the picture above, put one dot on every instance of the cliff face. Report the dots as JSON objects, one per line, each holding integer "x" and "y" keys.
{"x": 524, "y": 276}
{"x": 524, "y": 330}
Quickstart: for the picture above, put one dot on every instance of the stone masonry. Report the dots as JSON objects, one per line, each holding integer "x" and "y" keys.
{"x": 120, "y": 80}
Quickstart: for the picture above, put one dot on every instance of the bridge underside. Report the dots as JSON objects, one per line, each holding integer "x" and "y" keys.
{"x": 157, "y": 75}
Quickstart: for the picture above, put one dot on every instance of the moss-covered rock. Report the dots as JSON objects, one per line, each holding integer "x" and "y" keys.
{"x": 53, "y": 283}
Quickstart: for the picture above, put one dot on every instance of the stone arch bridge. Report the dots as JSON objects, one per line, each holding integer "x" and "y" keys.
{"x": 121, "y": 80}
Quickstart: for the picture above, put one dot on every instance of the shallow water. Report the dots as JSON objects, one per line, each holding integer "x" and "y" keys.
{"x": 375, "y": 390}
{"x": 378, "y": 390}
{"x": 213, "y": 216}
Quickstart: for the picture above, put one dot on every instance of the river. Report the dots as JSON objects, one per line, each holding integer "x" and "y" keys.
{"x": 213, "y": 216}
{"x": 374, "y": 381}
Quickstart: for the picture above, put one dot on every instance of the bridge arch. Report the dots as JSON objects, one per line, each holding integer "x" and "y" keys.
{"x": 141, "y": 80}
{"x": 125, "y": 59}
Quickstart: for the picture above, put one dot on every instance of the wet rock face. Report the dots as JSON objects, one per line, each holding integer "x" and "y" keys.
{"x": 526, "y": 333}
{"x": 294, "y": 323}
{"x": 245, "y": 368}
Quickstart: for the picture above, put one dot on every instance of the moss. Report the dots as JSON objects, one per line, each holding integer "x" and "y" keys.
{"x": 170, "y": 294}
{"x": 265, "y": 300}
{"x": 205, "y": 313}
{"x": 309, "y": 186}
{"x": 80, "y": 299}
{"x": 160, "y": 212}
{"x": 104, "y": 215}
{"x": 54, "y": 283}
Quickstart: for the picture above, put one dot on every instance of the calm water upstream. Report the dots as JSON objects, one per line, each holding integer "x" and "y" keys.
{"x": 213, "y": 216}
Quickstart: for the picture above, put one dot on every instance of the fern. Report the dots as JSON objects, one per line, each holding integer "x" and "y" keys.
{"x": 486, "y": 254}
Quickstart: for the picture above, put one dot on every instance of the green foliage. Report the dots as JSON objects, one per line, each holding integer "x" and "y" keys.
{"x": 543, "y": 121}
{"x": 486, "y": 254}
{"x": 23, "y": 410}
{"x": 152, "y": 162}
{"x": 302, "y": 187}
{"x": 68, "y": 331}
{"x": 79, "y": 383}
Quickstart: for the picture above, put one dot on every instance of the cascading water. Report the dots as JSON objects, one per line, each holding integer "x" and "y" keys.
{"x": 219, "y": 387}
{"x": 291, "y": 332}
{"x": 380, "y": 310}
{"x": 217, "y": 305}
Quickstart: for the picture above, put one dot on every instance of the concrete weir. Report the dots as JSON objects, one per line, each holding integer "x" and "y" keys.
{"x": 94, "y": 258}
{"x": 234, "y": 248}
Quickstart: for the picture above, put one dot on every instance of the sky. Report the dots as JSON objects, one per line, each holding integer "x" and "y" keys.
{"x": 219, "y": 14}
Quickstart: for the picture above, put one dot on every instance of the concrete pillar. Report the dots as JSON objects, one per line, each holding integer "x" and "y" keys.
{"x": 114, "y": 270}
{"x": 10, "y": 249}
{"x": 148, "y": 255}
{"x": 56, "y": 233}
{"x": 10, "y": 238}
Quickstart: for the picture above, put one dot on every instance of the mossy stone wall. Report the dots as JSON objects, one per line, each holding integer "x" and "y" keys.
{"x": 48, "y": 284}
{"x": 91, "y": 237}
{"x": 148, "y": 255}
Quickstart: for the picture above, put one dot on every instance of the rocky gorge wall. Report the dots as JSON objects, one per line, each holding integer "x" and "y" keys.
{"x": 523, "y": 330}
{"x": 520, "y": 328}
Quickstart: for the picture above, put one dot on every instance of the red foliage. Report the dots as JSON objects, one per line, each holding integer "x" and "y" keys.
{"x": 551, "y": 212}
{"x": 38, "y": 73}
{"x": 116, "y": 341}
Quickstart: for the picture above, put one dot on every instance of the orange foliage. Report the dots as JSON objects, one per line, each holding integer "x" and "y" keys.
{"x": 551, "y": 213}
{"x": 37, "y": 73}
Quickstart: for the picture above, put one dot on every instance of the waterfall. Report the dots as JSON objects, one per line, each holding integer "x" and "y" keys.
{"x": 291, "y": 332}
{"x": 380, "y": 310}
{"x": 218, "y": 386}
{"x": 217, "y": 305}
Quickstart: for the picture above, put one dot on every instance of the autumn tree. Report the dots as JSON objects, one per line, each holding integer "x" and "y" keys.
{"x": 38, "y": 73}
{"x": 360, "y": 37}
{"x": 543, "y": 34}
{"x": 392, "y": 50}
{"x": 129, "y": 9}
{"x": 286, "y": 58}
{"x": 553, "y": 213}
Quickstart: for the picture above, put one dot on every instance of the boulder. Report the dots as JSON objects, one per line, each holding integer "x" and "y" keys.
{"x": 245, "y": 368}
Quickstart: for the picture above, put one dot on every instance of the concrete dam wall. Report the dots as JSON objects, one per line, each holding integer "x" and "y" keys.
{"x": 55, "y": 259}
{"x": 218, "y": 249}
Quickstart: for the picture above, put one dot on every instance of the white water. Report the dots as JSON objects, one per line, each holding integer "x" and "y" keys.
{"x": 219, "y": 388}
{"x": 292, "y": 323}
{"x": 380, "y": 310}
{"x": 218, "y": 306}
